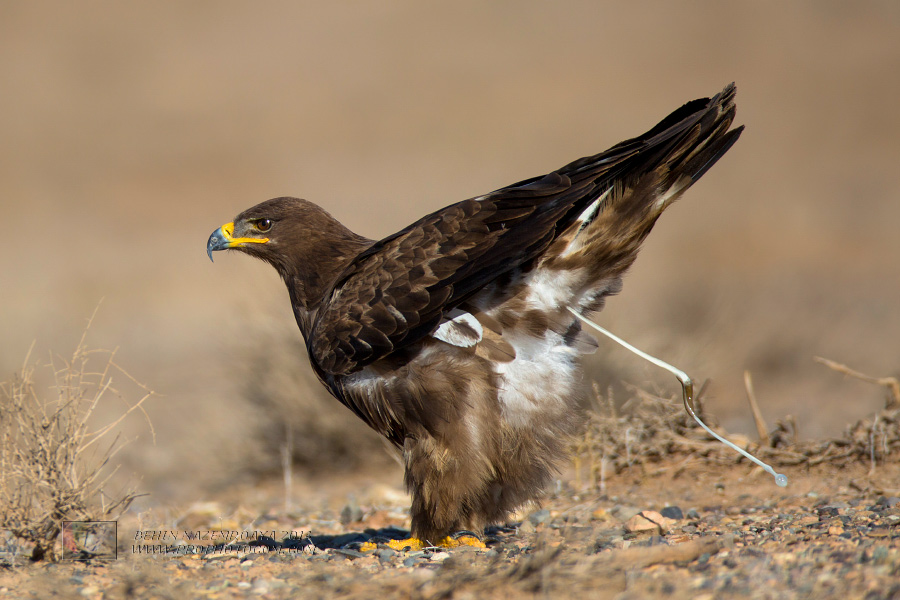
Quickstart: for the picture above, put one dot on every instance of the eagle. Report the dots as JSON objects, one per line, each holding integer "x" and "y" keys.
{"x": 457, "y": 337}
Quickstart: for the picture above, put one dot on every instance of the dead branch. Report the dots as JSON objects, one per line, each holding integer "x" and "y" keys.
{"x": 891, "y": 383}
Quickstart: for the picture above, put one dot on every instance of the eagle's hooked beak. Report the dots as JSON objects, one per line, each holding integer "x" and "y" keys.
{"x": 223, "y": 239}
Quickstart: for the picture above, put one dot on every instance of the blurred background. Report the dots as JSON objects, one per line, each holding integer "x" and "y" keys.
{"x": 129, "y": 131}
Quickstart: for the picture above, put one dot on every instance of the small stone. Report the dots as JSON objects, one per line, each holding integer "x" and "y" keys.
{"x": 889, "y": 502}
{"x": 385, "y": 554}
{"x": 648, "y": 521}
{"x": 440, "y": 556}
{"x": 672, "y": 512}
{"x": 539, "y": 516}
{"x": 693, "y": 514}
{"x": 835, "y": 530}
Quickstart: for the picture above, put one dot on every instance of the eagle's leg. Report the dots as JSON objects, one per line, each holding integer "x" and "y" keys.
{"x": 448, "y": 483}
{"x": 446, "y": 479}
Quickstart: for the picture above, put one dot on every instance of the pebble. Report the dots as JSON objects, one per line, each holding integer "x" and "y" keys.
{"x": 539, "y": 516}
{"x": 672, "y": 512}
{"x": 385, "y": 554}
{"x": 648, "y": 520}
{"x": 440, "y": 556}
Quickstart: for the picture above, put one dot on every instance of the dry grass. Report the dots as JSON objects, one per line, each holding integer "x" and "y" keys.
{"x": 649, "y": 429}
{"x": 55, "y": 462}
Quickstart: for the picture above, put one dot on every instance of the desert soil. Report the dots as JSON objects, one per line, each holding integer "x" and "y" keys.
{"x": 729, "y": 533}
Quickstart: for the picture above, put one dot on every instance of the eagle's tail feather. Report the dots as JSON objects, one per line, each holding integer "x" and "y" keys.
{"x": 651, "y": 172}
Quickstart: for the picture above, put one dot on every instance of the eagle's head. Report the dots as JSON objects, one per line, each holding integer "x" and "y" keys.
{"x": 306, "y": 245}
{"x": 271, "y": 230}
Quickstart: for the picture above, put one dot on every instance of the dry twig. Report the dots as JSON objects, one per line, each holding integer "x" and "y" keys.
{"x": 891, "y": 383}
{"x": 52, "y": 466}
{"x": 761, "y": 430}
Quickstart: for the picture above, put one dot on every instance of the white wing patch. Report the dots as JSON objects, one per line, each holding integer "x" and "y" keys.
{"x": 460, "y": 329}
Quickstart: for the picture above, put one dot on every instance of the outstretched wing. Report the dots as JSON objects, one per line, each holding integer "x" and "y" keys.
{"x": 397, "y": 291}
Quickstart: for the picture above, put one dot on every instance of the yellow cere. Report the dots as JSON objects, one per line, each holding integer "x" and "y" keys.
{"x": 228, "y": 232}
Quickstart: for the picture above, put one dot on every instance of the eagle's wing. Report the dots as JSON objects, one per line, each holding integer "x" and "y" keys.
{"x": 397, "y": 291}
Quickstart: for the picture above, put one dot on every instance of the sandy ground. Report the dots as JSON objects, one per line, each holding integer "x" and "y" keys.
{"x": 129, "y": 131}
{"x": 729, "y": 533}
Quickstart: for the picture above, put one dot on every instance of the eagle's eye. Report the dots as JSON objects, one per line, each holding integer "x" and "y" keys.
{"x": 263, "y": 225}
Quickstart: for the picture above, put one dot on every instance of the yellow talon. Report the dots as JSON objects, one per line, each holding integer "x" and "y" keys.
{"x": 463, "y": 540}
{"x": 408, "y": 545}
{"x": 415, "y": 544}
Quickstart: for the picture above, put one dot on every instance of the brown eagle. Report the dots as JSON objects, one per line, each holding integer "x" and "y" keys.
{"x": 452, "y": 337}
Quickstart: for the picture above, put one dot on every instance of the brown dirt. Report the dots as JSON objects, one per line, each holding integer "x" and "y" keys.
{"x": 833, "y": 533}
{"x": 681, "y": 517}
